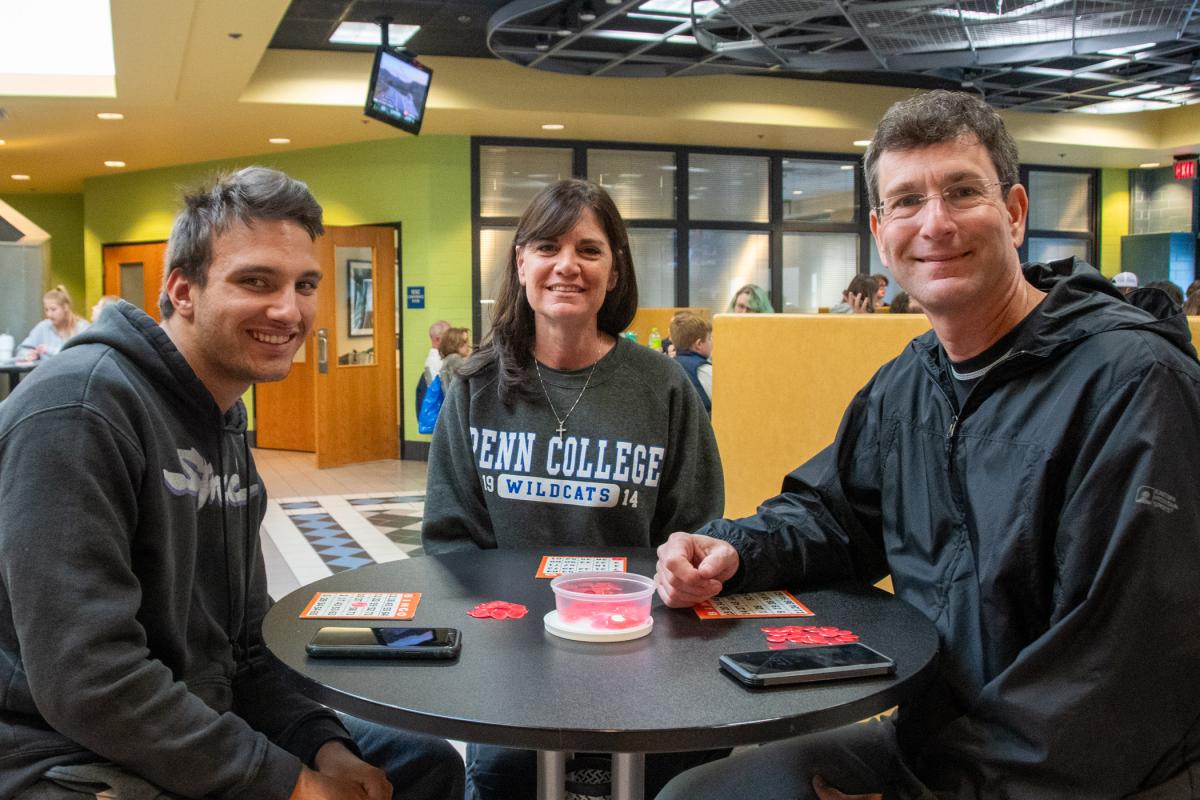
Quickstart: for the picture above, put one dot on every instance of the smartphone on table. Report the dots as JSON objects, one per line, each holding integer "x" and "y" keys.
{"x": 806, "y": 664}
{"x": 388, "y": 641}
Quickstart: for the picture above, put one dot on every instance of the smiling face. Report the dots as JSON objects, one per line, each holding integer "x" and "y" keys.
{"x": 566, "y": 278}
{"x": 950, "y": 261}
{"x": 254, "y": 311}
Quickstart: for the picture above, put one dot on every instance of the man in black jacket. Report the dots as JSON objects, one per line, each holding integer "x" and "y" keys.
{"x": 1022, "y": 471}
{"x": 132, "y": 586}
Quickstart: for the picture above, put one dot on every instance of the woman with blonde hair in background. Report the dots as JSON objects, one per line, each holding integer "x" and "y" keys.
{"x": 49, "y": 335}
{"x": 751, "y": 299}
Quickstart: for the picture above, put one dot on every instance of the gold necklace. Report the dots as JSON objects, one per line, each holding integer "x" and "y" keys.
{"x": 562, "y": 421}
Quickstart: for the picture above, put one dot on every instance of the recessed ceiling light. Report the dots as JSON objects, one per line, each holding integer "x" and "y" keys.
{"x": 1149, "y": 165}
{"x": 847, "y": 166}
{"x": 553, "y": 126}
{"x": 861, "y": 142}
{"x": 110, "y": 115}
{"x": 19, "y": 177}
{"x": 797, "y": 191}
{"x": 367, "y": 33}
{"x": 279, "y": 140}
{"x": 116, "y": 164}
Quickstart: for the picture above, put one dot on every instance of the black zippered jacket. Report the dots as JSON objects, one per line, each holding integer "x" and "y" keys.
{"x": 132, "y": 587}
{"x": 1050, "y": 529}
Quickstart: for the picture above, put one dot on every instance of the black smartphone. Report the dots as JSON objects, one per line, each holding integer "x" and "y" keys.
{"x": 390, "y": 641}
{"x": 805, "y": 664}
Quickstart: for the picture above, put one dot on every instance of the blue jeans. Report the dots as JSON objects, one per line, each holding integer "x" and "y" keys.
{"x": 419, "y": 767}
{"x": 856, "y": 759}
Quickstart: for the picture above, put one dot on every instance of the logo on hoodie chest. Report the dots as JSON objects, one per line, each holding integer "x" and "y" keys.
{"x": 199, "y": 479}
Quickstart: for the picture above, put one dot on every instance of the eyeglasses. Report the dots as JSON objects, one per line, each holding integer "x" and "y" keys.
{"x": 957, "y": 197}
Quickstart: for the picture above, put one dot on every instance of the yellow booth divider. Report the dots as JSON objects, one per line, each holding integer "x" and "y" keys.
{"x": 781, "y": 383}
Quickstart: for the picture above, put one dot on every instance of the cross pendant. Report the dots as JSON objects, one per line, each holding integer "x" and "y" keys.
{"x": 562, "y": 428}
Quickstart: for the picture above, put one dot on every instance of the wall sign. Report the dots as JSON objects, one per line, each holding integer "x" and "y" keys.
{"x": 416, "y": 296}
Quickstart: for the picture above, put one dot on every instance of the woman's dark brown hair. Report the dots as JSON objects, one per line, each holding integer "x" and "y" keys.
{"x": 554, "y": 211}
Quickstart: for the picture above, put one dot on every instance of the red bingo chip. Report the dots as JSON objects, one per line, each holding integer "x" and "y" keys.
{"x": 782, "y": 636}
{"x": 498, "y": 609}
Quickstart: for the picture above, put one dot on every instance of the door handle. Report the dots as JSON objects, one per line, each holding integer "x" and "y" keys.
{"x": 322, "y": 351}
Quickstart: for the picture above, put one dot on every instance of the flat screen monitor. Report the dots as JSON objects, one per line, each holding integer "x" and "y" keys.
{"x": 399, "y": 86}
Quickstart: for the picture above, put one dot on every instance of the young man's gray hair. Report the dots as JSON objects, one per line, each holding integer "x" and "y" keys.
{"x": 936, "y": 117}
{"x": 244, "y": 196}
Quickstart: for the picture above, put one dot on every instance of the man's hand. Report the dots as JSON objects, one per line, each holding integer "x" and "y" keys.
{"x": 312, "y": 785}
{"x": 341, "y": 775}
{"x": 826, "y": 792}
{"x": 692, "y": 568}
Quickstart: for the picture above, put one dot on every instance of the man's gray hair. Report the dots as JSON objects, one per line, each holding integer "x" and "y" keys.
{"x": 438, "y": 329}
{"x": 244, "y": 196}
{"x": 937, "y": 117}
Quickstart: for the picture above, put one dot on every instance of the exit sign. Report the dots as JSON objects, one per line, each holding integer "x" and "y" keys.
{"x": 1185, "y": 169}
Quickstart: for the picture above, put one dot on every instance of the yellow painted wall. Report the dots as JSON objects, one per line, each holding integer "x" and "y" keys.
{"x": 1114, "y": 218}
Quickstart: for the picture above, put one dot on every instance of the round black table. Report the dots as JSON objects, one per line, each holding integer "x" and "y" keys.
{"x": 519, "y": 686}
{"x": 14, "y": 370}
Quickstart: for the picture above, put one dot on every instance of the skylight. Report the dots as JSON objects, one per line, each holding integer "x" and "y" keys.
{"x": 61, "y": 49}
{"x": 367, "y": 33}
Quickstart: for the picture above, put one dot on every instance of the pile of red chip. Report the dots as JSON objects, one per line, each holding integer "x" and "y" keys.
{"x": 793, "y": 635}
{"x": 498, "y": 609}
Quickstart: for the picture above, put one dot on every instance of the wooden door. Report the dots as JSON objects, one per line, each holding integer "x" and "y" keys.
{"x": 285, "y": 412}
{"x": 134, "y": 272}
{"x": 356, "y": 334}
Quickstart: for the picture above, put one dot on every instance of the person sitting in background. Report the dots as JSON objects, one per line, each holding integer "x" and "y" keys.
{"x": 454, "y": 349}
{"x": 101, "y": 304}
{"x": 1173, "y": 291}
{"x": 49, "y": 335}
{"x": 1191, "y": 304}
{"x": 903, "y": 303}
{"x": 883, "y": 282}
{"x": 556, "y": 403}
{"x": 433, "y": 360}
{"x": 692, "y": 336}
{"x": 1125, "y": 281}
{"x": 751, "y": 299}
{"x": 859, "y": 297}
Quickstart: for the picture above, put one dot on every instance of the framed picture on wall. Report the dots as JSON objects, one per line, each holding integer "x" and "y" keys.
{"x": 362, "y": 308}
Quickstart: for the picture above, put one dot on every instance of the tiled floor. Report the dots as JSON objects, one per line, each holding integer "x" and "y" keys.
{"x": 324, "y": 521}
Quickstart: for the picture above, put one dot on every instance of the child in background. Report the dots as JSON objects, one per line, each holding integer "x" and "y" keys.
{"x": 692, "y": 337}
{"x": 454, "y": 349}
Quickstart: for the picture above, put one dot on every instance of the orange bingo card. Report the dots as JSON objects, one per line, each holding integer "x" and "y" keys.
{"x": 362, "y": 605}
{"x": 755, "y": 604}
{"x": 553, "y": 566}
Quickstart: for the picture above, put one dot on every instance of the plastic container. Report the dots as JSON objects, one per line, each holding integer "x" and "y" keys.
{"x": 603, "y": 602}
{"x": 655, "y": 341}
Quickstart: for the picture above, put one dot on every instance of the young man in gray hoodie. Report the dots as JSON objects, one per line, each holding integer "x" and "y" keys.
{"x": 132, "y": 587}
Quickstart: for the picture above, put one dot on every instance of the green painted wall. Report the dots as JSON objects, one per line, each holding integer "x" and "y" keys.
{"x": 61, "y": 216}
{"x": 424, "y": 183}
{"x": 1114, "y": 218}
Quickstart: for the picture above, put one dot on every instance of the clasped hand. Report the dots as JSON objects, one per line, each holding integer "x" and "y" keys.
{"x": 692, "y": 568}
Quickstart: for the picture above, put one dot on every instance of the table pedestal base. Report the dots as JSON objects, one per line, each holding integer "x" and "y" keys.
{"x": 628, "y": 775}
